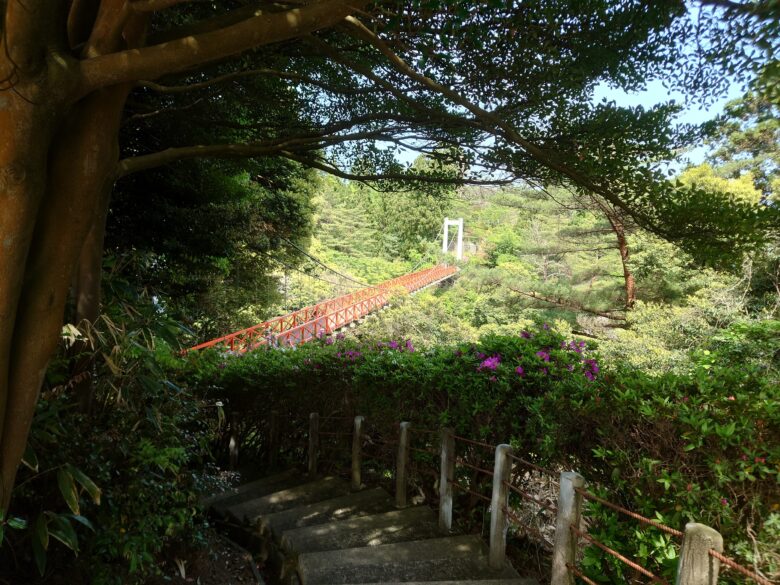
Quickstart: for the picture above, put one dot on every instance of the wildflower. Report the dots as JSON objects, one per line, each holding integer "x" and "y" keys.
{"x": 546, "y": 327}
{"x": 589, "y": 376}
{"x": 525, "y": 335}
{"x": 409, "y": 346}
{"x": 490, "y": 363}
{"x": 759, "y": 460}
{"x": 724, "y": 502}
{"x": 458, "y": 353}
{"x": 570, "y": 367}
{"x": 320, "y": 334}
{"x": 329, "y": 341}
{"x": 544, "y": 355}
{"x": 520, "y": 371}
{"x": 340, "y": 337}
{"x": 393, "y": 345}
{"x": 545, "y": 371}
{"x": 493, "y": 379}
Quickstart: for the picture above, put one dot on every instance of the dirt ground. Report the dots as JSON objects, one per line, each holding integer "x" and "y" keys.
{"x": 221, "y": 563}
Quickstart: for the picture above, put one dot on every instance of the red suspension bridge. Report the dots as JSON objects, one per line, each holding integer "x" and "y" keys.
{"x": 328, "y": 316}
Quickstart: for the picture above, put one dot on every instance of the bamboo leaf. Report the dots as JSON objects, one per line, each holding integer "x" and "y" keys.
{"x": 92, "y": 489}
{"x": 68, "y": 489}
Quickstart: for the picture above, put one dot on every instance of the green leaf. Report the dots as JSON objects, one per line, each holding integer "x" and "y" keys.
{"x": 29, "y": 459}
{"x": 17, "y": 523}
{"x": 84, "y": 521}
{"x": 39, "y": 552}
{"x": 89, "y": 485}
{"x": 40, "y": 531}
{"x": 68, "y": 489}
{"x": 61, "y": 529}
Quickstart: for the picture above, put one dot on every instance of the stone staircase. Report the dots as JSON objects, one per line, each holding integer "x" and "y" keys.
{"x": 318, "y": 531}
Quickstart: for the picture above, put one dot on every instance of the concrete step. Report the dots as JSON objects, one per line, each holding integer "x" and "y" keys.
{"x": 416, "y": 523}
{"x": 370, "y": 501}
{"x": 253, "y": 489}
{"x": 285, "y": 499}
{"x": 458, "y": 558}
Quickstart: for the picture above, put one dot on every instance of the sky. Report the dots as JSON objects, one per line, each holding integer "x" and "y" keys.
{"x": 656, "y": 93}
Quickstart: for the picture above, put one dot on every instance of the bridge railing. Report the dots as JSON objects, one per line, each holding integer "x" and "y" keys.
{"x": 701, "y": 547}
{"x": 297, "y": 327}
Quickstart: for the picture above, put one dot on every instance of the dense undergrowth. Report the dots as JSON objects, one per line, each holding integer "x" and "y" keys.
{"x": 698, "y": 447}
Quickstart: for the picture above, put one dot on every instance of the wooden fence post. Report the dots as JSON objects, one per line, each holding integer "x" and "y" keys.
{"x": 402, "y": 465}
{"x": 696, "y": 566}
{"x": 273, "y": 439}
{"x": 565, "y": 542}
{"x": 446, "y": 478}
{"x": 233, "y": 443}
{"x": 314, "y": 442}
{"x": 357, "y": 453}
{"x": 498, "y": 506}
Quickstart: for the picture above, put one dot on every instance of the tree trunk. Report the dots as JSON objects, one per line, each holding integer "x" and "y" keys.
{"x": 628, "y": 277}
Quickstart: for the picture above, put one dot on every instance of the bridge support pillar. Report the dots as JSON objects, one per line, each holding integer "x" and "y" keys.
{"x": 445, "y": 245}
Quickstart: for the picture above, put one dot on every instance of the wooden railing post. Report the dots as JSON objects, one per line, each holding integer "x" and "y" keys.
{"x": 446, "y": 478}
{"x": 233, "y": 443}
{"x": 314, "y": 442}
{"x": 498, "y": 506}
{"x": 696, "y": 566}
{"x": 357, "y": 453}
{"x": 402, "y": 465}
{"x": 273, "y": 439}
{"x": 565, "y": 542}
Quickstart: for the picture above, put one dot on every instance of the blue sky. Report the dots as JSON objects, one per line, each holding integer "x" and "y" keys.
{"x": 656, "y": 93}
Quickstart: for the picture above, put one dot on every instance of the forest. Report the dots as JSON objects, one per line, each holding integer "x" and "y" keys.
{"x": 172, "y": 171}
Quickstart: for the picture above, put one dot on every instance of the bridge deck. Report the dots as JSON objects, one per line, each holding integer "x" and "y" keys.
{"x": 328, "y": 316}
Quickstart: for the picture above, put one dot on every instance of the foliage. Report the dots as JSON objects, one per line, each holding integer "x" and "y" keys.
{"x": 675, "y": 447}
{"x": 118, "y": 486}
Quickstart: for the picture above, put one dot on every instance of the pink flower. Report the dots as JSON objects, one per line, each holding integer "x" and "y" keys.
{"x": 493, "y": 379}
{"x": 732, "y": 398}
{"x": 490, "y": 363}
{"x": 520, "y": 371}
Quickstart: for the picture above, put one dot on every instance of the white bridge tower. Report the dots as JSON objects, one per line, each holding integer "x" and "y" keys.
{"x": 446, "y": 241}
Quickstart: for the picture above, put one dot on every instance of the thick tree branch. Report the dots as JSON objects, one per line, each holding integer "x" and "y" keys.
{"x": 569, "y": 304}
{"x": 175, "y": 56}
{"x": 175, "y": 89}
{"x": 490, "y": 120}
{"x": 336, "y": 172}
{"x": 157, "y": 5}
{"x": 29, "y": 26}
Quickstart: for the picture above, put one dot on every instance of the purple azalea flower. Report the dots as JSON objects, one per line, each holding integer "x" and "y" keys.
{"x": 543, "y": 355}
{"x": 409, "y": 346}
{"x": 525, "y": 335}
{"x": 590, "y": 376}
{"x": 458, "y": 353}
{"x": 340, "y": 336}
{"x": 493, "y": 379}
{"x": 546, "y": 327}
{"x": 329, "y": 341}
{"x": 393, "y": 345}
{"x": 545, "y": 371}
{"x": 570, "y": 367}
{"x": 490, "y": 363}
{"x": 520, "y": 371}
